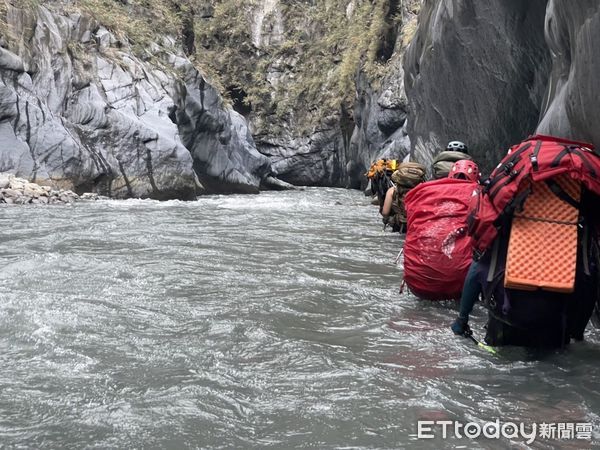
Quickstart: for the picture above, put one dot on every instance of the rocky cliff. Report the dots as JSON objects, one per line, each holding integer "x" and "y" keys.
{"x": 173, "y": 99}
{"x": 492, "y": 73}
{"x": 80, "y": 109}
{"x": 571, "y": 105}
{"x": 113, "y": 96}
{"x": 320, "y": 83}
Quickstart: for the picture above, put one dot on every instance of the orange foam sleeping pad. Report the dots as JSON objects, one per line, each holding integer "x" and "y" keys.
{"x": 542, "y": 249}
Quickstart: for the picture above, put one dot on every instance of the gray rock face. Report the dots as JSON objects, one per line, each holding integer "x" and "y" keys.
{"x": 572, "y": 104}
{"x": 381, "y": 124}
{"x": 339, "y": 150}
{"x": 317, "y": 160}
{"x": 476, "y": 72}
{"x": 79, "y": 111}
{"x": 225, "y": 156}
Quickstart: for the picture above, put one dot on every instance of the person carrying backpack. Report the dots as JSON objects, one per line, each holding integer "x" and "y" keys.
{"x": 536, "y": 225}
{"x": 443, "y": 162}
{"x": 407, "y": 176}
{"x": 379, "y": 178}
{"x": 437, "y": 249}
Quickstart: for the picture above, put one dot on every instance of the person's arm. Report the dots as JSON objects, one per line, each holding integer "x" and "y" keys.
{"x": 387, "y": 203}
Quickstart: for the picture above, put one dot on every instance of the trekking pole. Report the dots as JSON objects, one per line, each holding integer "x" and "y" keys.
{"x": 469, "y": 334}
{"x": 399, "y": 255}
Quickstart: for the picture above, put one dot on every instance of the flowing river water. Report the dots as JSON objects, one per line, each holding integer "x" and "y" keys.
{"x": 267, "y": 321}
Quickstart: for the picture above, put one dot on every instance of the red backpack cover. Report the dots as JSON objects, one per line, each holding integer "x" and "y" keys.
{"x": 437, "y": 250}
{"x": 538, "y": 158}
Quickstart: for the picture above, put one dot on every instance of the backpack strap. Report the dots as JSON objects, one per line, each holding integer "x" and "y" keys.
{"x": 493, "y": 261}
{"x": 509, "y": 209}
{"x": 584, "y": 159}
{"x": 584, "y": 244}
{"x": 510, "y": 177}
{"x": 556, "y": 161}
{"x": 507, "y": 168}
{"x": 562, "y": 194}
{"x": 534, "y": 155}
{"x": 572, "y": 149}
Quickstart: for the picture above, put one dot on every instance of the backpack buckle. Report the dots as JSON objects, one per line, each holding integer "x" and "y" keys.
{"x": 534, "y": 161}
{"x": 508, "y": 167}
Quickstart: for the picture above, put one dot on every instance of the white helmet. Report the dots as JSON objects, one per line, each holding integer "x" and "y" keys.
{"x": 456, "y": 146}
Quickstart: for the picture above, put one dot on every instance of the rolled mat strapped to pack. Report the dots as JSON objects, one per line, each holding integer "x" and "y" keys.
{"x": 542, "y": 249}
{"x": 443, "y": 162}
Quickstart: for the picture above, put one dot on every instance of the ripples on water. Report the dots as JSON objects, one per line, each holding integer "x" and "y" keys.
{"x": 246, "y": 321}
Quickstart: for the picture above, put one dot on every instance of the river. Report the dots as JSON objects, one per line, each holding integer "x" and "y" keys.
{"x": 259, "y": 321}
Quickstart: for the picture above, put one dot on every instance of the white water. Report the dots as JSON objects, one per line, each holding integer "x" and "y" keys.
{"x": 269, "y": 321}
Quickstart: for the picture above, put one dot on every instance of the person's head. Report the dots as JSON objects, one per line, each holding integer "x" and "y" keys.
{"x": 464, "y": 170}
{"x": 457, "y": 146}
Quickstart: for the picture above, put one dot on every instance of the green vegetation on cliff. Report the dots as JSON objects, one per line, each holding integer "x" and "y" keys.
{"x": 138, "y": 21}
{"x": 294, "y": 61}
{"x": 303, "y": 57}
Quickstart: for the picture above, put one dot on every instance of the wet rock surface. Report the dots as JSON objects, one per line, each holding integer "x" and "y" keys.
{"x": 81, "y": 110}
{"x": 380, "y": 117}
{"x": 572, "y": 103}
{"x": 18, "y": 191}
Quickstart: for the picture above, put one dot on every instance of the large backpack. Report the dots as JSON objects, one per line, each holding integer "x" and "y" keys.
{"x": 405, "y": 177}
{"x": 379, "y": 175}
{"x": 437, "y": 250}
{"x": 538, "y": 213}
{"x": 542, "y": 318}
{"x": 539, "y": 158}
{"x": 443, "y": 162}
{"x": 409, "y": 174}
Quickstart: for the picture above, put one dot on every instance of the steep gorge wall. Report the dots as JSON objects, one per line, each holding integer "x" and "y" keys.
{"x": 380, "y": 117}
{"x": 318, "y": 92}
{"x": 316, "y": 89}
{"x": 80, "y": 110}
{"x": 320, "y": 83}
{"x": 571, "y": 107}
{"x": 492, "y": 73}
{"x": 476, "y": 72}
